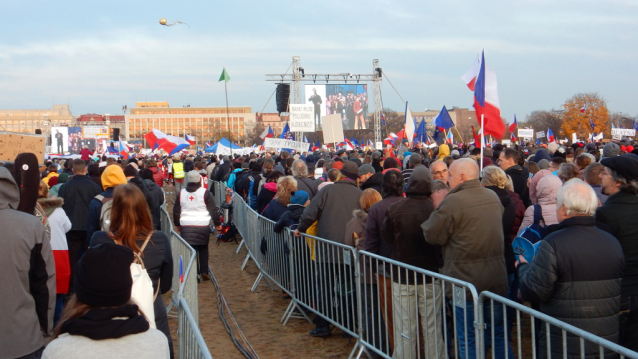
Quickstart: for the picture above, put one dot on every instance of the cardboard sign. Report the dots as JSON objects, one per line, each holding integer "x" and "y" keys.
{"x": 302, "y": 118}
{"x": 284, "y": 143}
{"x": 526, "y": 132}
{"x": 14, "y": 143}
{"x": 627, "y": 132}
{"x": 332, "y": 127}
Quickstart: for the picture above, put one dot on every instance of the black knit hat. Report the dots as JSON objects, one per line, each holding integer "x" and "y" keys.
{"x": 625, "y": 165}
{"x": 350, "y": 170}
{"x": 103, "y": 276}
{"x": 130, "y": 171}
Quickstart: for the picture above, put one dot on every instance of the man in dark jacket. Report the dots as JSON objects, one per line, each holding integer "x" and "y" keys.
{"x": 27, "y": 277}
{"x": 576, "y": 274}
{"x": 155, "y": 197}
{"x": 508, "y": 161}
{"x": 254, "y": 176}
{"x": 472, "y": 242}
{"x": 223, "y": 169}
{"x": 370, "y": 178}
{"x": 620, "y": 213}
{"x": 402, "y": 229}
{"x": 77, "y": 193}
{"x": 300, "y": 173}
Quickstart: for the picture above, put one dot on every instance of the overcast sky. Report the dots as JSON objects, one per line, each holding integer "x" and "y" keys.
{"x": 100, "y": 55}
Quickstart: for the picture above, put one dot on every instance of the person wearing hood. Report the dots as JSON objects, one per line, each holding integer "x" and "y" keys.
{"x": 508, "y": 161}
{"x": 158, "y": 177}
{"x": 111, "y": 177}
{"x": 193, "y": 211}
{"x": 62, "y": 179}
{"x": 269, "y": 191}
{"x": 546, "y": 193}
{"x": 27, "y": 276}
{"x": 57, "y": 224}
{"x": 402, "y": 229}
{"x": 444, "y": 151}
{"x": 298, "y": 202}
{"x": 233, "y": 175}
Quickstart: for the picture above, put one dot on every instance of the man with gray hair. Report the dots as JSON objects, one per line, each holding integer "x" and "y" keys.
{"x": 576, "y": 273}
{"x": 620, "y": 213}
{"x": 300, "y": 173}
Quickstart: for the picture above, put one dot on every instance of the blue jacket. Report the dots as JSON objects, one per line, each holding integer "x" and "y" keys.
{"x": 232, "y": 177}
{"x": 274, "y": 211}
{"x": 93, "y": 220}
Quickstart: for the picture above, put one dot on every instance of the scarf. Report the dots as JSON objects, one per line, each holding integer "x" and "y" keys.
{"x": 99, "y": 324}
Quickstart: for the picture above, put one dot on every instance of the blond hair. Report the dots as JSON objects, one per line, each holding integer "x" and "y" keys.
{"x": 494, "y": 176}
{"x": 285, "y": 186}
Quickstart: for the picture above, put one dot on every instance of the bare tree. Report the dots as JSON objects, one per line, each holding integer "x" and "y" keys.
{"x": 542, "y": 120}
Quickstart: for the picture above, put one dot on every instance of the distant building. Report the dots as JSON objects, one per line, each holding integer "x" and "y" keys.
{"x": 29, "y": 121}
{"x": 205, "y": 123}
{"x": 276, "y": 122}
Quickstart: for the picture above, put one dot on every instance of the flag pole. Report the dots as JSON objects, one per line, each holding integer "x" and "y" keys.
{"x": 227, "y": 120}
{"x": 482, "y": 140}
{"x": 457, "y": 131}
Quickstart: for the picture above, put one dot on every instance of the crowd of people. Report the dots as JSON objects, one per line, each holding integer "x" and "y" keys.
{"x": 74, "y": 228}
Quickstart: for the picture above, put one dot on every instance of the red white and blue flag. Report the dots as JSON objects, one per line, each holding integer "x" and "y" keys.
{"x": 450, "y": 137}
{"x": 123, "y": 150}
{"x": 190, "y": 139}
{"x": 583, "y": 109}
{"x": 153, "y": 136}
{"x": 469, "y": 78}
{"x": 513, "y": 125}
{"x": 208, "y": 144}
{"x": 390, "y": 140}
{"x": 383, "y": 119}
{"x": 550, "y": 135}
{"x": 172, "y": 144}
{"x": 486, "y": 102}
{"x": 267, "y": 133}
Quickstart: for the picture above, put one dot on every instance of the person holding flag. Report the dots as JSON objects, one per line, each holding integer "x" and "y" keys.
{"x": 550, "y": 135}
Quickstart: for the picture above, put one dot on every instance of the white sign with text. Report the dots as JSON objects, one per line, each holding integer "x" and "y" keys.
{"x": 540, "y": 134}
{"x": 302, "y": 118}
{"x": 628, "y": 132}
{"x": 284, "y": 143}
{"x": 526, "y": 132}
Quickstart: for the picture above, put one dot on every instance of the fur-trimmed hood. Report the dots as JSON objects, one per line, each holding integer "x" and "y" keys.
{"x": 50, "y": 204}
{"x": 360, "y": 215}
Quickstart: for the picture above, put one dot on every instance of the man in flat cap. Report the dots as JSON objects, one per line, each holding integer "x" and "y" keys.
{"x": 620, "y": 213}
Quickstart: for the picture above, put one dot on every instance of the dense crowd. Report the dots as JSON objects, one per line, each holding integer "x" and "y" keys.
{"x": 74, "y": 231}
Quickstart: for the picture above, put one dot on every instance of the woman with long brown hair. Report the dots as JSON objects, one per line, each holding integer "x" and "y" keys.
{"x": 131, "y": 226}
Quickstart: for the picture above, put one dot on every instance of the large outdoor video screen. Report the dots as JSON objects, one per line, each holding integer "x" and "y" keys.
{"x": 348, "y": 100}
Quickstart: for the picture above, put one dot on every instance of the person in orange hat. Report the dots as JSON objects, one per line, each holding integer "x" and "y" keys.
{"x": 98, "y": 219}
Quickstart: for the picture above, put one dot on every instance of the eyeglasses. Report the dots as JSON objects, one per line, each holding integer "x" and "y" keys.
{"x": 441, "y": 172}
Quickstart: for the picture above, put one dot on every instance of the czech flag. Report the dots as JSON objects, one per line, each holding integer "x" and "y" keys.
{"x": 349, "y": 145}
{"x": 208, "y": 144}
{"x": 153, "y": 136}
{"x": 190, "y": 139}
{"x": 513, "y": 125}
{"x": 267, "y": 133}
{"x": 550, "y": 135}
{"x": 383, "y": 119}
{"x": 172, "y": 144}
{"x": 317, "y": 146}
{"x": 583, "y": 109}
{"x": 512, "y": 137}
{"x": 123, "y": 150}
{"x": 450, "y": 137}
{"x": 486, "y": 101}
{"x": 469, "y": 78}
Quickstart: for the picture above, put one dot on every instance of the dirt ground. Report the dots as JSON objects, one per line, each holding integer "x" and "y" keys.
{"x": 258, "y": 313}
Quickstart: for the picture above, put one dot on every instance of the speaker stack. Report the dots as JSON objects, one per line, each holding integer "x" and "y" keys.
{"x": 283, "y": 97}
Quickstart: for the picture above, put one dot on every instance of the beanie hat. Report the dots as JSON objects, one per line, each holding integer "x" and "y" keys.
{"x": 299, "y": 197}
{"x": 130, "y": 171}
{"x": 542, "y": 154}
{"x": 103, "y": 275}
{"x": 145, "y": 173}
{"x": 193, "y": 176}
{"x": 390, "y": 162}
{"x": 338, "y": 165}
{"x": 365, "y": 169}
{"x": 112, "y": 176}
{"x": 611, "y": 150}
{"x": 53, "y": 181}
{"x": 63, "y": 177}
{"x": 552, "y": 147}
{"x": 350, "y": 170}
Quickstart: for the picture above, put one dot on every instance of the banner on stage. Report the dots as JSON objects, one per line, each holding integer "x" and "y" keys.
{"x": 526, "y": 132}
{"x": 627, "y": 132}
{"x": 301, "y": 118}
{"x": 284, "y": 143}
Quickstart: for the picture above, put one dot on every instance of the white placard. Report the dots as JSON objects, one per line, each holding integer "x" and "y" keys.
{"x": 616, "y": 137}
{"x": 379, "y": 145}
{"x": 540, "y": 134}
{"x": 332, "y": 127}
{"x": 284, "y": 143}
{"x": 526, "y": 132}
{"x": 628, "y": 132}
{"x": 301, "y": 118}
{"x": 506, "y": 142}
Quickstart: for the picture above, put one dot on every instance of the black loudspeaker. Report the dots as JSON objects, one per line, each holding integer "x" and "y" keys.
{"x": 38, "y": 131}
{"x": 116, "y": 134}
{"x": 283, "y": 97}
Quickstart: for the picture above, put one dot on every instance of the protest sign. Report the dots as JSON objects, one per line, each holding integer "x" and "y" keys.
{"x": 302, "y": 118}
{"x": 526, "y": 132}
{"x": 13, "y": 143}
{"x": 627, "y": 132}
{"x": 332, "y": 127}
{"x": 540, "y": 134}
{"x": 284, "y": 143}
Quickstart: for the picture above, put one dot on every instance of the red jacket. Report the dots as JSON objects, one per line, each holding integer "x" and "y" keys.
{"x": 85, "y": 153}
{"x": 158, "y": 176}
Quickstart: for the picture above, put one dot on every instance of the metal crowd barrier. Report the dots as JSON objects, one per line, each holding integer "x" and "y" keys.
{"x": 549, "y": 337}
{"x": 409, "y": 312}
{"x": 191, "y": 344}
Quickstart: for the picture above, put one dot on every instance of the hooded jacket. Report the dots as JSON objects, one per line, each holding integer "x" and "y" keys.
{"x": 471, "y": 239}
{"x": 267, "y": 193}
{"x": 375, "y": 182}
{"x": 290, "y": 218}
{"x": 402, "y": 228}
{"x": 444, "y": 151}
{"x": 27, "y": 276}
{"x": 533, "y": 196}
{"x": 546, "y": 196}
{"x": 158, "y": 177}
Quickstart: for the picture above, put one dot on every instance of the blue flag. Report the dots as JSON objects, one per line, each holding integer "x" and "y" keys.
{"x": 443, "y": 119}
{"x": 285, "y": 131}
{"x": 591, "y": 123}
{"x": 421, "y": 136}
{"x": 438, "y": 135}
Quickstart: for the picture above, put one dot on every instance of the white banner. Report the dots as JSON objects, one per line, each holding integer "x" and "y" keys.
{"x": 540, "y": 134}
{"x": 378, "y": 146}
{"x": 506, "y": 142}
{"x": 301, "y": 118}
{"x": 526, "y": 132}
{"x": 94, "y": 132}
{"x": 332, "y": 128}
{"x": 628, "y": 132}
{"x": 284, "y": 143}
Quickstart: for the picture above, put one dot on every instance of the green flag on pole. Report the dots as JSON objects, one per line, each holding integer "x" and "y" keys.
{"x": 224, "y": 76}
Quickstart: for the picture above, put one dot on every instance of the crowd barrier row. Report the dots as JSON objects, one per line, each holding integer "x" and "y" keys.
{"x": 184, "y": 298}
{"x": 395, "y": 310}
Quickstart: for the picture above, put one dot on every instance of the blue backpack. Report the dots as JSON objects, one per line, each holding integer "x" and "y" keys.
{"x": 252, "y": 199}
{"x": 526, "y": 244}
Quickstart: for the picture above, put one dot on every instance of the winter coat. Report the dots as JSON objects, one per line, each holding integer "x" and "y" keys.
{"x": 620, "y": 213}
{"x": 196, "y": 235}
{"x": 266, "y": 195}
{"x": 155, "y": 200}
{"x": 332, "y": 209}
{"x": 308, "y": 185}
{"x": 188, "y": 166}
{"x": 221, "y": 171}
{"x": 546, "y": 196}
{"x": 471, "y": 239}
{"x": 376, "y": 215}
{"x": 59, "y": 225}
{"x": 377, "y": 166}
{"x": 243, "y": 186}
{"x": 274, "y": 210}
{"x": 233, "y": 178}
{"x": 356, "y": 225}
{"x": 27, "y": 276}
{"x": 78, "y": 193}
{"x": 93, "y": 223}
{"x": 158, "y": 177}
{"x": 575, "y": 276}
{"x": 402, "y": 228}
{"x": 533, "y": 196}
{"x": 375, "y": 182}
{"x": 290, "y": 218}
{"x": 519, "y": 177}
{"x": 508, "y": 218}
{"x": 520, "y": 214}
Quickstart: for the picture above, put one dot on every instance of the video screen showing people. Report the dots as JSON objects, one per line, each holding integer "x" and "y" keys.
{"x": 349, "y": 101}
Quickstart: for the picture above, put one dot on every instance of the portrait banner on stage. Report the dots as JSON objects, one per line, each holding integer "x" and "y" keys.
{"x": 284, "y": 143}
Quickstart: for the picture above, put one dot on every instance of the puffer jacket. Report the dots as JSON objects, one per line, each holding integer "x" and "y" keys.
{"x": 401, "y": 228}
{"x": 158, "y": 177}
{"x": 519, "y": 176}
{"x": 546, "y": 195}
{"x": 471, "y": 240}
{"x": 533, "y": 196}
{"x": 576, "y": 277}
{"x": 196, "y": 235}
